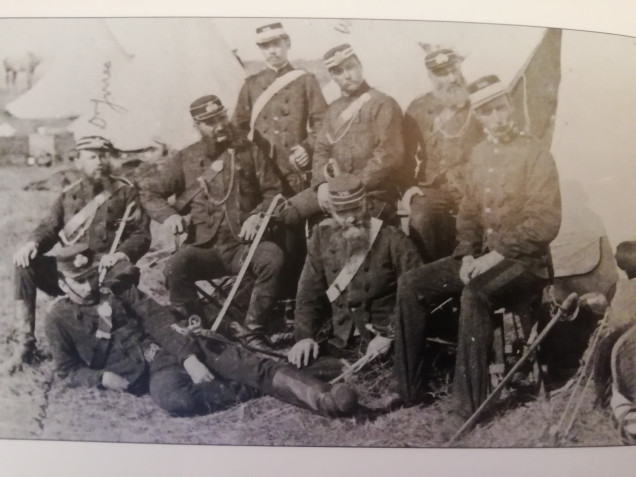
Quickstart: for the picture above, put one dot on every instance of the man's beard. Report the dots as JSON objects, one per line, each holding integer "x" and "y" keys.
{"x": 217, "y": 143}
{"x": 100, "y": 181}
{"x": 452, "y": 96}
{"x": 353, "y": 239}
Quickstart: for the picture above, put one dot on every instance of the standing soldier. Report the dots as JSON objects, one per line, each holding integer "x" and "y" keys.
{"x": 361, "y": 135}
{"x": 354, "y": 261}
{"x": 89, "y": 211}
{"x": 510, "y": 213}
{"x": 439, "y": 132}
{"x": 281, "y": 108}
{"x": 225, "y": 184}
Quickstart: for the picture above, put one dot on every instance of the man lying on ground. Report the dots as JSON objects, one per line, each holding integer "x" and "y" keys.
{"x": 131, "y": 343}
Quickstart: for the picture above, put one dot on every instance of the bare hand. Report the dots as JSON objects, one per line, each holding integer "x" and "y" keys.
{"x": 250, "y": 228}
{"x": 109, "y": 260}
{"x": 199, "y": 373}
{"x": 176, "y": 224}
{"x": 114, "y": 381}
{"x": 323, "y": 197}
{"x": 302, "y": 352}
{"x": 26, "y": 253}
{"x": 379, "y": 346}
{"x": 485, "y": 263}
{"x": 299, "y": 157}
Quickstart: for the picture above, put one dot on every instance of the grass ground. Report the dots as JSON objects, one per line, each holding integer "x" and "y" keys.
{"x": 34, "y": 405}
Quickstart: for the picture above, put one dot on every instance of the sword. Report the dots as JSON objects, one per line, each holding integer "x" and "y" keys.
{"x": 248, "y": 259}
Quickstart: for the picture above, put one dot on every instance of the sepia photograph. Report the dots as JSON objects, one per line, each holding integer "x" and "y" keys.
{"x": 317, "y": 232}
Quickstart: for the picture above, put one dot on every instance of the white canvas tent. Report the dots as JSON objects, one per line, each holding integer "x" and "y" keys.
{"x": 390, "y": 50}
{"x": 594, "y": 142}
{"x": 175, "y": 62}
{"x": 75, "y": 70}
{"x": 133, "y": 79}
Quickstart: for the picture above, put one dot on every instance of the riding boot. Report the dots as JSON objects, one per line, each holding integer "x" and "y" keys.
{"x": 302, "y": 390}
{"x": 255, "y": 322}
{"x": 24, "y": 348}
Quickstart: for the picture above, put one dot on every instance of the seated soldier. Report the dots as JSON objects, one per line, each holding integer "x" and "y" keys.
{"x": 353, "y": 261}
{"x": 510, "y": 213}
{"x": 226, "y": 184}
{"x": 130, "y": 342}
{"x": 89, "y": 211}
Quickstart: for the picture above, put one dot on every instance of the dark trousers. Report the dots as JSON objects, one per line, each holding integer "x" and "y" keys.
{"x": 194, "y": 263}
{"x": 173, "y": 390}
{"x": 432, "y": 225}
{"x": 40, "y": 274}
{"x": 420, "y": 290}
{"x": 240, "y": 375}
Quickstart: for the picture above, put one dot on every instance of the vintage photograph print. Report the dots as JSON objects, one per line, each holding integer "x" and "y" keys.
{"x": 316, "y": 232}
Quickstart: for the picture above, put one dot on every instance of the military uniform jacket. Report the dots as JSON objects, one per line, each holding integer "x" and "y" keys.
{"x": 373, "y": 288}
{"x": 370, "y": 145}
{"x": 253, "y": 184}
{"x": 70, "y": 329}
{"x": 99, "y": 236}
{"x": 512, "y": 202}
{"x": 291, "y": 117}
{"x": 438, "y": 152}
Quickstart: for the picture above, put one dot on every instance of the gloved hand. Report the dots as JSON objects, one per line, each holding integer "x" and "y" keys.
{"x": 114, "y": 381}
{"x": 197, "y": 370}
{"x": 379, "y": 346}
{"x": 323, "y": 197}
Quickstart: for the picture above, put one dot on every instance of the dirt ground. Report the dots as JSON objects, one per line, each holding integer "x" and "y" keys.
{"x": 35, "y": 405}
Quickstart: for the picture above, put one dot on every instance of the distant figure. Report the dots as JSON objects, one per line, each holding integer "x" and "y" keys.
{"x": 23, "y": 63}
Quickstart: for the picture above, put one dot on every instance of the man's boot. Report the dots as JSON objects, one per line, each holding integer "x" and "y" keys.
{"x": 254, "y": 325}
{"x": 297, "y": 388}
{"x": 23, "y": 340}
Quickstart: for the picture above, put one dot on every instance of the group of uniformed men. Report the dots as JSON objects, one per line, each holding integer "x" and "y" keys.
{"x": 482, "y": 197}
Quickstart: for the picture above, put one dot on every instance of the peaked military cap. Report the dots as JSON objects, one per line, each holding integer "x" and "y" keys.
{"x": 337, "y": 55}
{"x": 95, "y": 143}
{"x": 75, "y": 261}
{"x": 206, "y": 107}
{"x": 270, "y": 32}
{"x": 485, "y": 89}
{"x": 439, "y": 61}
{"x": 345, "y": 192}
